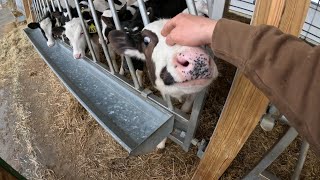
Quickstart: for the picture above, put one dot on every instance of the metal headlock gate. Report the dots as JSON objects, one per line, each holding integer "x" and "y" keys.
{"x": 135, "y": 117}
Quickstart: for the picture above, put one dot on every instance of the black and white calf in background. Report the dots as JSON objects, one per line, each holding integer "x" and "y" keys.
{"x": 177, "y": 71}
{"x": 45, "y": 25}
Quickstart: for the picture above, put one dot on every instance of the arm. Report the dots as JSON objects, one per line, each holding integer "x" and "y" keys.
{"x": 284, "y": 68}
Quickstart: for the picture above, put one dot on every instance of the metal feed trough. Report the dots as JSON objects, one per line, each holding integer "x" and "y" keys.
{"x": 135, "y": 117}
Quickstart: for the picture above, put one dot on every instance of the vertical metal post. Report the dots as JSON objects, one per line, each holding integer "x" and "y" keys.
{"x": 273, "y": 153}
{"x": 118, "y": 27}
{"x": 44, "y": 8}
{"x": 40, "y": 9}
{"x": 85, "y": 31}
{"x": 191, "y": 7}
{"x": 104, "y": 46}
{"x": 143, "y": 12}
{"x": 59, "y": 5}
{"x": 68, "y": 9}
{"x": 216, "y": 9}
{"x": 48, "y": 6}
{"x": 302, "y": 157}
{"x": 53, "y": 7}
{"x": 35, "y": 10}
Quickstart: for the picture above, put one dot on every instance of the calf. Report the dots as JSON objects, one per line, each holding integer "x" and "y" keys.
{"x": 176, "y": 70}
{"x": 45, "y": 25}
{"x": 75, "y": 33}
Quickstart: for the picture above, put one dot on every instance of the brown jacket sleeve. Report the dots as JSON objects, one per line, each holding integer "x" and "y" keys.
{"x": 283, "y": 67}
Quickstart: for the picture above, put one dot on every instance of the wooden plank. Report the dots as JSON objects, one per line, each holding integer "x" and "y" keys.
{"x": 245, "y": 103}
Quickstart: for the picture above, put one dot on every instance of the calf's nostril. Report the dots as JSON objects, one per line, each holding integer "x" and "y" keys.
{"x": 184, "y": 63}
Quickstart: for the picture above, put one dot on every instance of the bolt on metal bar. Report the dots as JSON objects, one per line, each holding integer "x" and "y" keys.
{"x": 86, "y": 34}
{"x": 191, "y": 7}
{"x": 53, "y": 7}
{"x": 59, "y": 5}
{"x": 48, "y": 6}
{"x": 118, "y": 27}
{"x": 104, "y": 46}
{"x": 143, "y": 12}
{"x": 302, "y": 157}
{"x": 68, "y": 9}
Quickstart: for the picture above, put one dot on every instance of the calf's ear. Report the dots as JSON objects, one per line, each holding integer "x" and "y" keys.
{"x": 33, "y": 25}
{"x": 58, "y": 31}
{"x": 126, "y": 45}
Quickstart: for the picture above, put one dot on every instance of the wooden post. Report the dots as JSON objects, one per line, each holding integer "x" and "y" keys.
{"x": 27, "y": 9}
{"x": 246, "y": 104}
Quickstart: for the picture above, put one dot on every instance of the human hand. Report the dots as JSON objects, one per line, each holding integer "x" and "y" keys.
{"x": 188, "y": 30}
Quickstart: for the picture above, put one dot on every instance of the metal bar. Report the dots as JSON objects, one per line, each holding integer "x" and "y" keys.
{"x": 35, "y": 10}
{"x": 191, "y": 7}
{"x": 53, "y": 7}
{"x": 143, "y": 12}
{"x": 59, "y": 5}
{"x": 273, "y": 153}
{"x": 217, "y": 9}
{"x": 194, "y": 118}
{"x": 43, "y": 7}
{"x": 40, "y": 9}
{"x": 302, "y": 157}
{"x": 48, "y": 6}
{"x": 68, "y": 9}
{"x": 85, "y": 31}
{"x": 210, "y": 7}
{"x": 118, "y": 27}
{"x": 104, "y": 46}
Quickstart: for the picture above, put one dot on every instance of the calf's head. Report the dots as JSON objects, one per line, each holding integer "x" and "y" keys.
{"x": 45, "y": 25}
{"x": 174, "y": 70}
{"x": 75, "y": 33}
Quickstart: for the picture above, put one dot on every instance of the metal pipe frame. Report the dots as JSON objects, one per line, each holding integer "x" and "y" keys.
{"x": 191, "y": 7}
{"x": 118, "y": 27}
{"x": 302, "y": 158}
{"x": 273, "y": 153}
{"x": 44, "y": 7}
{"x": 104, "y": 46}
{"x": 35, "y": 10}
{"x": 59, "y": 5}
{"x": 49, "y": 9}
{"x": 86, "y": 34}
{"x": 68, "y": 9}
{"x": 216, "y": 10}
{"x": 53, "y": 7}
{"x": 40, "y": 9}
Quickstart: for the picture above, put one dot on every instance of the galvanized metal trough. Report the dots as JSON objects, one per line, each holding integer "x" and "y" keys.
{"x": 134, "y": 122}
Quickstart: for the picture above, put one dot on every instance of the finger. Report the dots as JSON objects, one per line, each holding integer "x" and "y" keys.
{"x": 167, "y": 28}
{"x": 169, "y": 40}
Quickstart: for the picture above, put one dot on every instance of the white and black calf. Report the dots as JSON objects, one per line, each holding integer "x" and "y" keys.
{"x": 177, "y": 71}
{"x": 45, "y": 25}
{"x": 75, "y": 33}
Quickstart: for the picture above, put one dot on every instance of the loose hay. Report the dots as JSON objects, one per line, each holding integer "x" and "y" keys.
{"x": 62, "y": 141}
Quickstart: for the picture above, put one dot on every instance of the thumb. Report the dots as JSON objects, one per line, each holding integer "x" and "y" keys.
{"x": 169, "y": 40}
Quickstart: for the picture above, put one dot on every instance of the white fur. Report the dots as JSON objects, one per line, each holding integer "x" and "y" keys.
{"x": 134, "y": 53}
{"x": 46, "y": 26}
{"x": 73, "y": 32}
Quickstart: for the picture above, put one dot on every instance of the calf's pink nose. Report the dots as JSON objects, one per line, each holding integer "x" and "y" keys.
{"x": 77, "y": 56}
{"x": 192, "y": 64}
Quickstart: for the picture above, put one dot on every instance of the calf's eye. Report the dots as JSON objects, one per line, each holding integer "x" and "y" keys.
{"x": 146, "y": 40}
